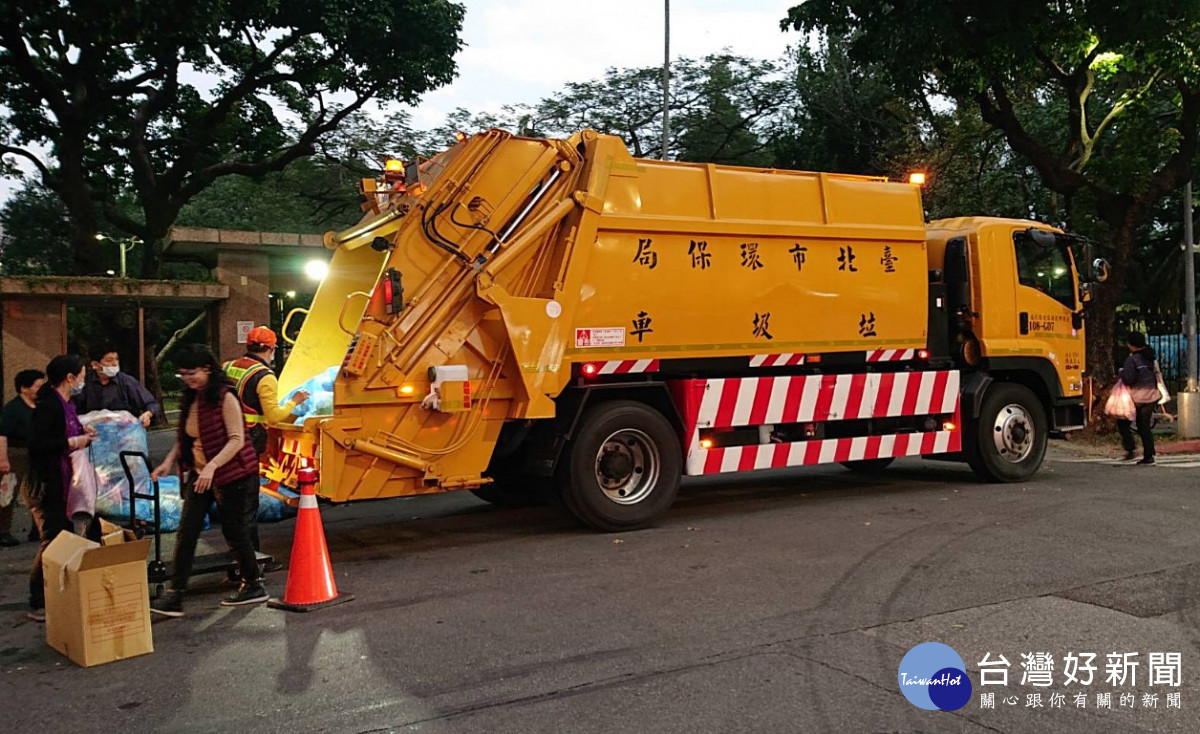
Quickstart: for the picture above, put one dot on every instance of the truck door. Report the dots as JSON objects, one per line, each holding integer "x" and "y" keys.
{"x": 1046, "y": 307}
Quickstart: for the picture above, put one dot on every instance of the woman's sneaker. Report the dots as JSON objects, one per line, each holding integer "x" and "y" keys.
{"x": 255, "y": 594}
{"x": 168, "y": 604}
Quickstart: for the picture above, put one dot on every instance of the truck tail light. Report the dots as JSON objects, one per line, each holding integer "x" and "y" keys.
{"x": 923, "y": 354}
{"x": 393, "y": 292}
{"x": 590, "y": 369}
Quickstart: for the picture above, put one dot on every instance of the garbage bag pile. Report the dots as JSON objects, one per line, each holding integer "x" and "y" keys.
{"x": 273, "y": 510}
{"x": 269, "y": 508}
{"x": 320, "y": 395}
{"x": 116, "y": 431}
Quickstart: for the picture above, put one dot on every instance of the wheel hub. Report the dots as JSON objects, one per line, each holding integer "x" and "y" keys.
{"x": 1013, "y": 433}
{"x": 627, "y": 466}
{"x": 615, "y": 464}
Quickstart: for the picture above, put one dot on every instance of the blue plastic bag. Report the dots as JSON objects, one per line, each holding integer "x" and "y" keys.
{"x": 170, "y": 505}
{"x": 320, "y": 395}
{"x": 117, "y": 431}
{"x": 270, "y": 509}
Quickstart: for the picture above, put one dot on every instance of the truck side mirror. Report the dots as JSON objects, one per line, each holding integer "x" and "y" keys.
{"x": 1087, "y": 292}
{"x": 1042, "y": 238}
{"x": 1100, "y": 270}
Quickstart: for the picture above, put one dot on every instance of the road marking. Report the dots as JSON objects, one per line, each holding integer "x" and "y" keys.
{"x": 1190, "y": 461}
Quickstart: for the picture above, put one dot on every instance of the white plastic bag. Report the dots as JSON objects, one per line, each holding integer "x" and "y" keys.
{"x": 1164, "y": 396}
{"x": 81, "y": 495}
{"x": 8, "y": 489}
{"x": 1120, "y": 403}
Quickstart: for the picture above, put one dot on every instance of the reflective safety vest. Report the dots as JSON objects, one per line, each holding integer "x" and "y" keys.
{"x": 243, "y": 375}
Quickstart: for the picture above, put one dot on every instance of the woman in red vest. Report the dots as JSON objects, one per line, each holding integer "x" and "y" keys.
{"x": 218, "y": 464}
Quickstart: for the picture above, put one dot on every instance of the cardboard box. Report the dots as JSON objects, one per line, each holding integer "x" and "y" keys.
{"x": 97, "y": 600}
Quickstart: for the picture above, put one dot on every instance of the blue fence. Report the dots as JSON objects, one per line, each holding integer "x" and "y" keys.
{"x": 1172, "y": 355}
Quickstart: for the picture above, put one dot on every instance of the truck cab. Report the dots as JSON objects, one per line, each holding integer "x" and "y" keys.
{"x": 1014, "y": 308}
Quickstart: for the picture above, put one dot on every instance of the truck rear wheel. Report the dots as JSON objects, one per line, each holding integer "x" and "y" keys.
{"x": 1008, "y": 443}
{"x": 622, "y": 469}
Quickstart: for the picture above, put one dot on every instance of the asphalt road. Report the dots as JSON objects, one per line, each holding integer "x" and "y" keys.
{"x": 782, "y": 603}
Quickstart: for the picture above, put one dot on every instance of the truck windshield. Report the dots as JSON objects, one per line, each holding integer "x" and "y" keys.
{"x": 1047, "y": 269}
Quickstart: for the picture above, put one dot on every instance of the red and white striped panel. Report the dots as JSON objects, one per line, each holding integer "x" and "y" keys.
{"x": 776, "y": 360}
{"x": 827, "y": 451}
{"x": 891, "y": 355}
{"x": 756, "y": 401}
{"x": 625, "y": 366}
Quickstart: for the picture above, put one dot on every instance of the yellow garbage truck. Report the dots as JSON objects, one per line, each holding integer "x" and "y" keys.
{"x": 517, "y": 316}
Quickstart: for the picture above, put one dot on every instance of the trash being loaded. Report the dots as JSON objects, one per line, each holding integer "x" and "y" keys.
{"x": 170, "y": 506}
{"x": 116, "y": 431}
{"x": 320, "y": 395}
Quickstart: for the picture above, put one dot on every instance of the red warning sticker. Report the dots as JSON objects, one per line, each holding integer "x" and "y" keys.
{"x": 609, "y": 336}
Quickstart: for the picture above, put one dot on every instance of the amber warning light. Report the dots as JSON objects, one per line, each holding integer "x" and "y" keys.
{"x": 393, "y": 171}
{"x": 917, "y": 178}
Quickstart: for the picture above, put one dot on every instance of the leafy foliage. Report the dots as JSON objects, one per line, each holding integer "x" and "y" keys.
{"x": 1101, "y": 100}
{"x": 162, "y": 99}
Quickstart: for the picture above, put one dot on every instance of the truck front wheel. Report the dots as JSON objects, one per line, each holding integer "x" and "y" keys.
{"x": 1008, "y": 443}
{"x": 622, "y": 469}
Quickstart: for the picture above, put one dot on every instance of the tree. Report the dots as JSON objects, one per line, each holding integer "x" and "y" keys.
{"x": 164, "y": 98}
{"x": 847, "y": 118}
{"x": 1123, "y": 79}
{"x": 37, "y": 235}
{"x": 736, "y": 102}
{"x": 723, "y": 108}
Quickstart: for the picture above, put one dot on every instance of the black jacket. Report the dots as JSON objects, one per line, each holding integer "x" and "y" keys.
{"x": 1138, "y": 375}
{"x": 47, "y": 442}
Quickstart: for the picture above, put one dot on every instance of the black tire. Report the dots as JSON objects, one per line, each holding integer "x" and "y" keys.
{"x": 513, "y": 492}
{"x": 868, "y": 466}
{"x": 634, "y": 451}
{"x": 1008, "y": 441}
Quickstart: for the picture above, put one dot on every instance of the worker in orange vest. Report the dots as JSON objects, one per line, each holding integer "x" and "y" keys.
{"x": 253, "y": 380}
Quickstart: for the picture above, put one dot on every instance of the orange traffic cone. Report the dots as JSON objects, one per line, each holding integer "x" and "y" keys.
{"x": 310, "y": 582}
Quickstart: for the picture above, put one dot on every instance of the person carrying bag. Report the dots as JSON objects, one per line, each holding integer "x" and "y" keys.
{"x": 1141, "y": 376}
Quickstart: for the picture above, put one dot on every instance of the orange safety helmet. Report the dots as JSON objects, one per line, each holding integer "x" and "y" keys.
{"x": 261, "y": 335}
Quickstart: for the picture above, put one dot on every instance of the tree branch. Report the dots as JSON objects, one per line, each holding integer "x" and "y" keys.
{"x": 999, "y": 113}
{"x": 37, "y": 162}
{"x": 179, "y": 334}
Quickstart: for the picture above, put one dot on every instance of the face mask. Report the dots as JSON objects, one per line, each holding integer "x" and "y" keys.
{"x": 77, "y": 388}
{"x": 110, "y": 371}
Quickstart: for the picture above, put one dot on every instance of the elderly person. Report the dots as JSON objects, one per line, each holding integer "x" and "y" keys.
{"x": 217, "y": 464}
{"x": 15, "y": 420}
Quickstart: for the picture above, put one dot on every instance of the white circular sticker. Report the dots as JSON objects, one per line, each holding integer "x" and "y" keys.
{"x": 554, "y": 309}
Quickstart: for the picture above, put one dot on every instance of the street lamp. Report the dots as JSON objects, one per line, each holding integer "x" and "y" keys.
{"x": 316, "y": 270}
{"x": 126, "y": 244}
